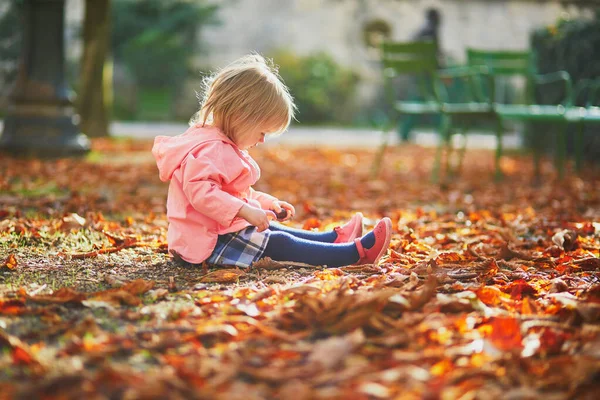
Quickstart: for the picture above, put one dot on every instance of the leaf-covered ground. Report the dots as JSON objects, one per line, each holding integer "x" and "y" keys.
{"x": 488, "y": 290}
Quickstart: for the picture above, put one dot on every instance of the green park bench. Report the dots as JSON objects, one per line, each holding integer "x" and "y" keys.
{"x": 419, "y": 60}
{"x": 497, "y": 87}
{"x": 563, "y": 110}
{"x": 505, "y": 69}
{"x": 587, "y": 93}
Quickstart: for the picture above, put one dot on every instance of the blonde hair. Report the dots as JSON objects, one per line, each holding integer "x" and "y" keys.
{"x": 247, "y": 92}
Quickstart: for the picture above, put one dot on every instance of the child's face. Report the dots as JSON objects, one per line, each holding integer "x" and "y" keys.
{"x": 253, "y": 136}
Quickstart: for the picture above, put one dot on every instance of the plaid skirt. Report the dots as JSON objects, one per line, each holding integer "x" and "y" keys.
{"x": 240, "y": 248}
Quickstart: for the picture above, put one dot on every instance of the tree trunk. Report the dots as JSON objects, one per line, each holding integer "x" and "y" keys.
{"x": 40, "y": 119}
{"x": 95, "y": 91}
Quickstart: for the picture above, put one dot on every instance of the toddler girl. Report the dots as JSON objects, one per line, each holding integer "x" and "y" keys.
{"x": 214, "y": 213}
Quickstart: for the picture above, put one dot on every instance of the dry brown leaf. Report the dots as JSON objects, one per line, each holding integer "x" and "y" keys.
{"x": 223, "y": 276}
{"x": 138, "y": 286}
{"x": 62, "y": 295}
{"x": 268, "y": 263}
{"x": 566, "y": 239}
{"x": 72, "y": 221}
{"x": 116, "y": 296}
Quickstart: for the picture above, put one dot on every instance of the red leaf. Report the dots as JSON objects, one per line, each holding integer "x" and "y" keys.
{"x": 519, "y": 288}
{"x": 12, "y": 307}
{"x": 22, "y": 357}
{"x": 505, "y": 333}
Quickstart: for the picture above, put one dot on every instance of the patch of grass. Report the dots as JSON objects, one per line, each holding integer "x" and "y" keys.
{"x": 38, "y": 190}
{"x": 13, "y": 240}
{"x": 33, "y": 279}
{"x": 95, "y": 157}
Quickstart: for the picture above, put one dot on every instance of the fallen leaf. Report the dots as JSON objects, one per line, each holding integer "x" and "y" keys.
{"x": 138, "y": 286}
{"x": 12, "y": 307}
{"x": 72, "y": 221}
{"x": 62, "y": 295}
{"x": 10, "y": 263}
{"x": 566, "y": 239}
{"x": 504, "y": 333}
{"x": 223, "y": 276}
{"x": 328, "y": 353}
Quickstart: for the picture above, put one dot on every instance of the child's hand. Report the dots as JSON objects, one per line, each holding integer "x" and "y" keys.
{"x": 280, "y": 207}
{"x": 255, "y": 216}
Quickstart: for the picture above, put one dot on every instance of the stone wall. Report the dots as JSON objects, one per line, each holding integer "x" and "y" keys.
{"x": 336, "y": 27}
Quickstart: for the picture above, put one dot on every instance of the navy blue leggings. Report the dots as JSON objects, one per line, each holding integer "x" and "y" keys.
{"x": 326, "y": 237}
{"x": 313, "y": 248}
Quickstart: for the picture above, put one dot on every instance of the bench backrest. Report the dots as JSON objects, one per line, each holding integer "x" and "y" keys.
{"x": 511, "y": 71}
{"x": 586, "y": 93}
{"x": 417, "y": 58}
{"x": 409, "y": 57}
{"x": 502, "y": 62}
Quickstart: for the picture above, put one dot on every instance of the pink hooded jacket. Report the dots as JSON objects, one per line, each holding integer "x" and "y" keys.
{"x": 211, "y": 179}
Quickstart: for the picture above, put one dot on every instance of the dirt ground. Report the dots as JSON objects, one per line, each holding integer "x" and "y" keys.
{"x": 489, "y": 289}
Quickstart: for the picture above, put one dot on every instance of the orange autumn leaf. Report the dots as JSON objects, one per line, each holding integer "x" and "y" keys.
{"x": 449, "y": 257}
{"x": 551, "y": 340}
{"x": 138, "y": 286}
{"x": 520, "y": 289}
{"x": 12, "y": 307}
{"x": 119, "y": 242}
{"x": 311, "y": 223}
{"x": 62, "y": 295}
{"x": 528, "y": 306}
{"x": 329, "y": 274}
{"x": 126, "y": 294}
{"x": 505, "y": 333}
{"x": 441, "y": 367}
{"x": 491, "y": 295}
{"x": 286, "y": 355}
{"x": 223, "y": 276}
{"x": 116, "y": 296}
{"x": 10, "y": 262}
{"x": 22, "y": 357}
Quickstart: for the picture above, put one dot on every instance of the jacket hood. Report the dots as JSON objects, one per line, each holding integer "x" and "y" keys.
{"x": 171, "y": 151}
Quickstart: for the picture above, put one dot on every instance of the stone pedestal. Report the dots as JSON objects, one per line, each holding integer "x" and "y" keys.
{"x": 41, "y": 120}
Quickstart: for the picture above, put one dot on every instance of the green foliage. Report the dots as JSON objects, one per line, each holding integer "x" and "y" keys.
{"x": 323, "y": 90}
{"x": 157, "y": 39}
{"x": 155, "y": 104}
{"x": 569, "y": 45}
{"x": 572, "y": 45}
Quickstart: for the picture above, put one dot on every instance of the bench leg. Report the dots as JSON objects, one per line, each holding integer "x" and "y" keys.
{"x": 378, "y": 160}
{"x": 561, "y": 149}
{"x": 537, "y": 158}
{"x": 443, "y": 131}
{"x": 499, "y": 131}
{"x": 461, "y": 151}
{"x": 448, "y": 149}
{"x": 579, "y": 147}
